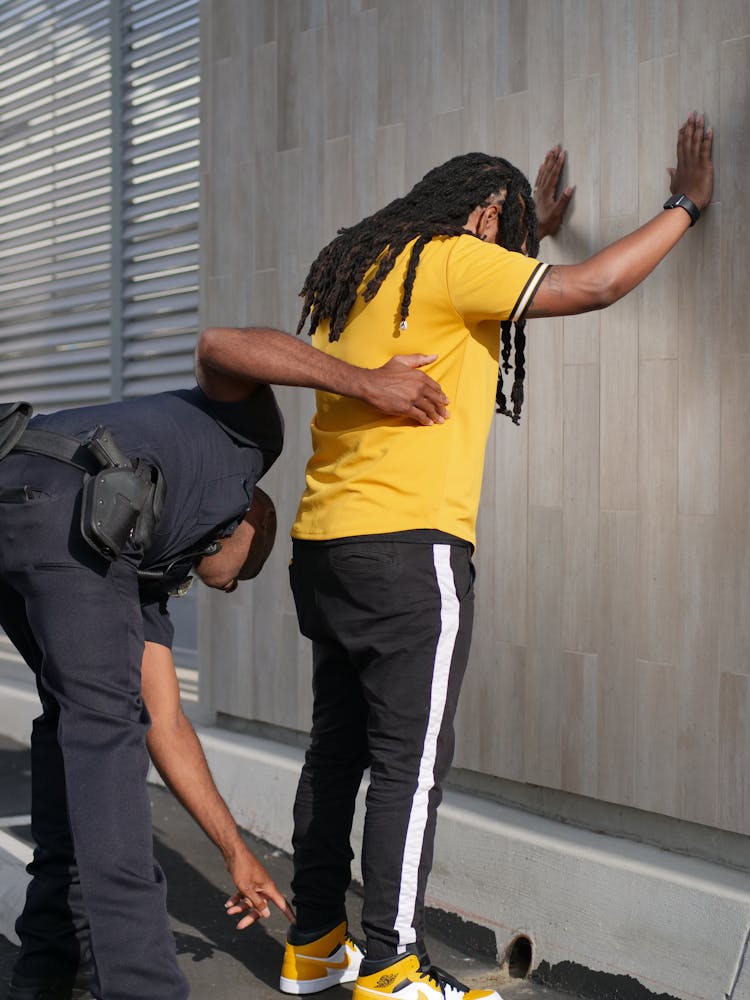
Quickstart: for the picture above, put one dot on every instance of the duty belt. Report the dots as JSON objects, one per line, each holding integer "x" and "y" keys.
{"x": 59, "y": 446}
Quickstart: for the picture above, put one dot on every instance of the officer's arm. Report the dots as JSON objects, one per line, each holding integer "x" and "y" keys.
{"x": 178, "y": 757}
{"x": 231, "y": 362}
{"x": 604, "y": 278}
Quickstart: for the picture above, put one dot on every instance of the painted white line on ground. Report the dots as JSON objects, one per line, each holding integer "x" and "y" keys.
{"x": 15, "y": 821}
{"x": 15, "y": 847}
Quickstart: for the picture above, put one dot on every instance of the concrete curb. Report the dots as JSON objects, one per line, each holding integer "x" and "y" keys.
{"x": 645, "y": 921}
{"x": 14, "y": 856}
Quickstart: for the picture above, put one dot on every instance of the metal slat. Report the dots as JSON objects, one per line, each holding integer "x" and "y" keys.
{"x": 182, "y": 176}
{"x": 145, "y": 308}
{"x": 65, "y": 154}
{"x": 45, "y": 401}
{"x": 157, "y": 143}
{"x": 141, "y": 70}
{"x": 70, "y": 192}
{"x": 50, "y": 251}
{"x": 49, "y": 309}
{"x": 68, "y": 332}
{"x": 179, "y": 130}
{"x": 173, "y": 202}
{"x": 179, "y": 220}
{"x": 12, "y": 12}
{"x": 167, "y": 162}
{"x": 163, "y": 345}
{"x": 159, "y": 113}
{"x": 86, "y": 262}
{"x": 62, "y": 377}
{"x": 52, "y": 288}
{"x": 37, "y": 338}
{"x": 161, "y": 282}
{"x": 46, "y": 81}
{"x": 163, "y": 243}
{"x": 48, "y": 217}
{"x": 174, "y": 324}
{"x": 23, "y": 66}
{"x": 174, "y": 19}
{"x": 63, "y": 117}
{"x": 170, "y": 90}
{"x": 175, "y": 257}
{"x": 68, "y": 200}
{"x": 19, "y": 41}
{"x": 62, "y": 359}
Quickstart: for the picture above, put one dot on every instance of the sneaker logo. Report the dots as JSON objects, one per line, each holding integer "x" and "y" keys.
{"x": 327, "y": 962}
{"x": 388, "y": 980}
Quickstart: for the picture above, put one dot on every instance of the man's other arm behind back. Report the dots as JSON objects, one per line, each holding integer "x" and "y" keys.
{"x": 231, "y": 362}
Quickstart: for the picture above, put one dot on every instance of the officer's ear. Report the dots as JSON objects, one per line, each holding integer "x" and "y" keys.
{"x": 262, "y": 518}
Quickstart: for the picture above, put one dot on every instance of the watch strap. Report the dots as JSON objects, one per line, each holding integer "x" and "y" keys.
{"x": 682, "y": 201}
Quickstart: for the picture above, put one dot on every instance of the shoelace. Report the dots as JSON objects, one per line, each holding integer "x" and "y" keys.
{"x": 441, "y": 979}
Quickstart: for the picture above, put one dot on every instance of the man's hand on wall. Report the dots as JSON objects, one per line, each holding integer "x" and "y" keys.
{"x": 550, "y": 209}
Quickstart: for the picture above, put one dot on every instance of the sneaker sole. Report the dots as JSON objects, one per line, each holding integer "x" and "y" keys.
{"x": 301, "y": 987}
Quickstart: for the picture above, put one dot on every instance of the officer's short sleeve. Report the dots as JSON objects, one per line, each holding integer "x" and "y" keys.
{"x": 256, "y": 421}
{"x": 486, "y": 281}
{"x": 157, "y": 625}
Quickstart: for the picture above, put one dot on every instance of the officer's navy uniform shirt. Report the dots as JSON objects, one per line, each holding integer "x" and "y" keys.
{"x": 211, "y": 455}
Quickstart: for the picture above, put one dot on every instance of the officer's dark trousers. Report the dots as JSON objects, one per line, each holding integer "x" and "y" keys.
{"x": 391, "y": 628}
{"x": 76, "y": 620}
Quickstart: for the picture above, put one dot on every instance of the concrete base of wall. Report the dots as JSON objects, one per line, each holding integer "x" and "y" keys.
{"x": 629, "y": 919}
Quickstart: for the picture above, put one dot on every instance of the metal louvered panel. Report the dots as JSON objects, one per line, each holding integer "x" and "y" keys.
{"x": 160, "y": 186}
{"x": 55, "y": 195}
{"x": 98, "y": 249}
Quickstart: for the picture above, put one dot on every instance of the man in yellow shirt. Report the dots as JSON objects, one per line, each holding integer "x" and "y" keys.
{"x": 382, "y": 573}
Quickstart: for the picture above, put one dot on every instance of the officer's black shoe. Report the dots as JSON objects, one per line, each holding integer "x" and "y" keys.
{"x": 22, "y": 988}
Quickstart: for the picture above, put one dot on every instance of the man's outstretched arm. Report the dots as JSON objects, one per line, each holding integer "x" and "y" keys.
{"x": 569, "y": 289}
{"x": 178, "y": 757}
{"x": 230, "y": 362}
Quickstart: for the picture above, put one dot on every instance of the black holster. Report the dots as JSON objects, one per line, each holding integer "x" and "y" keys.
{"x": 122, "y": 502}
{"x": 122, "y": 499}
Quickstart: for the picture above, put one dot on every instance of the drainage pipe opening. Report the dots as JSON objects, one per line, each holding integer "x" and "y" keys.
{"x": 520, "y": 955}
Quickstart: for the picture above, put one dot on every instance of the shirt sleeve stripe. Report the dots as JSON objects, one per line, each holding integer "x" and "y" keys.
{"x": 528, "y": 292}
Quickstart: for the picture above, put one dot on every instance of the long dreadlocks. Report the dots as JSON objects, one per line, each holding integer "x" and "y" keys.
{"x": 438, "y": 205}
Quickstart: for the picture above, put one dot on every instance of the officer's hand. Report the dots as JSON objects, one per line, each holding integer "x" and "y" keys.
{"x": 550, "y": 209}
{"x": 255, "y": 890}
{"x": 400, "y": 389}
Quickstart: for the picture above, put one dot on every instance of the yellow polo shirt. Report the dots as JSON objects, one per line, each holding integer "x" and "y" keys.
{"x": 374, "y": 474}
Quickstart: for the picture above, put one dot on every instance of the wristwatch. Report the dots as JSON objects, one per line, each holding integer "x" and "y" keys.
{"x": 682, "y": 201}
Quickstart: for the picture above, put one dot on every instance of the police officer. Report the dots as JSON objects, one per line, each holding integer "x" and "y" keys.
{"x": 83, "y": 512}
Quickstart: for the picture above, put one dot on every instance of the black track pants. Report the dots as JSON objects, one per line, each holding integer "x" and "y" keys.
{"x": 391, "y": 628}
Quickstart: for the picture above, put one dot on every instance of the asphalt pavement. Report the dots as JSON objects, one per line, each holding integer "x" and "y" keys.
{"x": 218, "y": 960}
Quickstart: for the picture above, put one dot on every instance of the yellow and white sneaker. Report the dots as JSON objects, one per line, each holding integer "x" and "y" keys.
{"x": 326, "y": 961}
{"x": 406, "y": 980}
